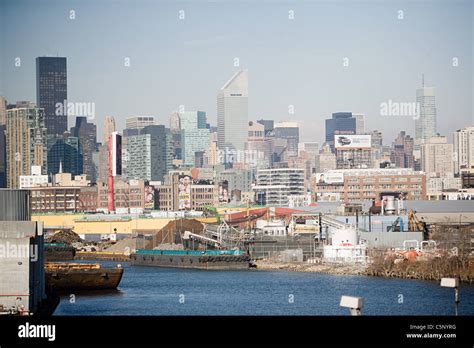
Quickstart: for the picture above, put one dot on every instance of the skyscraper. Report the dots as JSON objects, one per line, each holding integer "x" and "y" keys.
{"x": 139, "y": 122}
{"x": 402, "y": 151}
{"x": 87, "y": 133}
{"x": 425, "y": 124}
{"x": 3, "y": 111}
{"x": 26, "y": 143}
{"x": 360, "y": 123}
{"x": 340, "y": 123}
{"x": 463, "y": 140}
{"x": 101, "y": 159}
{"x": 109, "y": 127}
{"x": 232, "y": 112}
{"x": 51, "y": 88}
{"x": 64, "y": 151}
{"x": 194, "y": 135}
{"x": 150, "y": 154}
{"x": 290, "y": 132}
{"x": 437, "y": 157}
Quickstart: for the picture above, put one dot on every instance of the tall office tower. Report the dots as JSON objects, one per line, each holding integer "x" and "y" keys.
{"x": 64, "y": 152}
{"x": 26, "y": 143}
{"x": 425, "y": 124}
{"x": 139, "y": 122}
{"x": 109, "y": 127}
{"x": 340, "y": 123}
{"x": 269, "y": 126}
{"x": 195, "y": 135}
{"x": 175, "y": 129}
{"x": 437, "y": 157}
{"x": 463, "y": 140}
{"x": 360, "y": 123}
{"x": 133, "y": 125}
{"x": 51, "y": 88}
{"x": 175, "y": 123}
{"x": 232, "y": 112}
{"x": 377, "y": 147}
{"x": 326, "y": 160}
{"x": 402, "y": 151}
{"x": 290, "y": 132}
{"x": 101, "y": 161}
{"x": 3, "y": 156}
{"x": 3, "y": 111}
{"x": 87, "y": 133}
{"x": 260, "y": 147}
{"x": 150, "y": 154}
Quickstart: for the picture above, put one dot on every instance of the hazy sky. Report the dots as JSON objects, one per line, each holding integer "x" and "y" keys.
{"x": 296, "y": 61}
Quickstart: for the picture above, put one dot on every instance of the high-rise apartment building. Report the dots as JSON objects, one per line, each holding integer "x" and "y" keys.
{"x": 232, "y": 112}
{"x": 26, "y": 143}
{"x": 51, "y": 88}
{"x": 463, "y": 141}
{"x": 437, "y": 157}
{"x": 150, "y": 154}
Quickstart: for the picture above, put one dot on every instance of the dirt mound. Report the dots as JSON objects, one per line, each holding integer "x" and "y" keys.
{"x": 64, "y": 237}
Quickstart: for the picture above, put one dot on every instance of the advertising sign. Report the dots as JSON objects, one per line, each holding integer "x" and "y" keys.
{"x": 331, "y": 177}
{"x": 184, "y": 192}
{"x": 352, "y": 141}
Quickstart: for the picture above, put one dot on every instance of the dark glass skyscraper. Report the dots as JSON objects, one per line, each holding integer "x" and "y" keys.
{"x": 340, "y": 123}
{"x": 51, "y": 88}
{"x": 67, "y": 152}
{"x": 87, "y": 133}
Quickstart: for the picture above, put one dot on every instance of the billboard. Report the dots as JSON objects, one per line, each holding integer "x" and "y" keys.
{"x": 332, "y": 177}
{"x": 184, "y": 192}
{"x": 224, "y": 192}
{"x": 352, "y": 141}
{"x": 149, "y": 197}
{"x": 116, "y": 152}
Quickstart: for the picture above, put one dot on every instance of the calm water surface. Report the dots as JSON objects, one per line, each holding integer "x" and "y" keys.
{"x": 160, "y": 291}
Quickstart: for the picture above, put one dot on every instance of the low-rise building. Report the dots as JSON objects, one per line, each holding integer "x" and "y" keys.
{"x": 369, "y": 184}
{"x": 274, "y": 186}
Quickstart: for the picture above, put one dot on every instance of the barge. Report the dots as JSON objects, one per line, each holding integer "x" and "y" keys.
{"x": 196, "y": 259}
{"x": 78, "y": 276}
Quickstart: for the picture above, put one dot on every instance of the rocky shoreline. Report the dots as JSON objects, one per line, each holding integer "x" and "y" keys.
{"x": 336, "y": 269}
{"x": 420, "y": 270}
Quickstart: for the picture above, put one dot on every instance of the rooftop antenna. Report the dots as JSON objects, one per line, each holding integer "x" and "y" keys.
{"x": 423, "y": 80}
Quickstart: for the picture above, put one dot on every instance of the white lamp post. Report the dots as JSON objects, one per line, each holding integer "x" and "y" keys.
{"x": 452, "y": 283}
{"x": 354, "y": 304}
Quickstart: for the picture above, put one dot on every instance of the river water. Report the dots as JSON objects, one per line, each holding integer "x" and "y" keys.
{"x": 165, "y": 291}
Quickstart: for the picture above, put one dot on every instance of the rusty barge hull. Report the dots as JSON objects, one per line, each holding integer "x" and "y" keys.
{"x": 82, "y": 278}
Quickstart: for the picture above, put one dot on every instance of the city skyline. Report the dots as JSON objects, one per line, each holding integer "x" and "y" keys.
{"x": 312, "y": 68}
